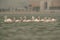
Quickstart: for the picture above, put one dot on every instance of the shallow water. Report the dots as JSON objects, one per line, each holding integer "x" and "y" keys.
{"x": 30, "y": 31}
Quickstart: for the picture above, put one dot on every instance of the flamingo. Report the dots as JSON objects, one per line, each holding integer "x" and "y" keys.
{"x": 18, "y": 20}
{"x": 44, "y": 20}
{"x": 37, "y": 19}
{"x": 48, "y": 20}
{"x": 53, "y": 20}
{"x": 7, "y": 20}
{"x": 33, "y": 18}
{"x": 26, "y": 20}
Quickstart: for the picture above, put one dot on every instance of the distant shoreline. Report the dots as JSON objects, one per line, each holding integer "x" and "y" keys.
{"x": 32, "y": 12}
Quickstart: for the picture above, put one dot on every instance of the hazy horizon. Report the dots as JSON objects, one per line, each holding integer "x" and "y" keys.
{"x": 13, "y": 3}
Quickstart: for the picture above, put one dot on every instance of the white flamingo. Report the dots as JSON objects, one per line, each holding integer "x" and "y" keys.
{"x": 7, "y": 20}
{"x": 26, "y": 20}
{"x": 33, "y": 18}
{"x": 48, "y": 20}
{"x": 18, "y": 20}
{"x": 37, "y": 19}
{"x": 44, "y": 20}
{"x": 53, "y": 20}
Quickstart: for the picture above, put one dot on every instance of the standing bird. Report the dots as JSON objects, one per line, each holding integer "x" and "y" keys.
{"x": 44, "y": 19}
{"x": 7, "y": 20}
{"x": 53, "y": 20}
{"x": 17, "y": 20}
{"x": 33, "y": 18}
{"x": 26, "y": 20}
{"x": 37, "y": 19}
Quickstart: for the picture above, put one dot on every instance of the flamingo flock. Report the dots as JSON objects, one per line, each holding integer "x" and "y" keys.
{"x": 33, "y": 19}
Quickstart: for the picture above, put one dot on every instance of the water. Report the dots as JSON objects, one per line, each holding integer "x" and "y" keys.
{"x": 31, "y": 30}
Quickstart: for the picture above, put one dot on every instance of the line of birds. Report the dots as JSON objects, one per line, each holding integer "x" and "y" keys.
{"x": 33, "y": 19}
